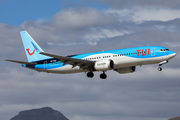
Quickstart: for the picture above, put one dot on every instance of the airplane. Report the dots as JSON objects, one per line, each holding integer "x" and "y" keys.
{"x": 120, "y": 60}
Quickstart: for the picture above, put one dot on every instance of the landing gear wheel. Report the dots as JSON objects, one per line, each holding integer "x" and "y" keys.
{"x": 103, "y": 76}
{"x": 90, "y": 74}
{"x": 160, "y": 69}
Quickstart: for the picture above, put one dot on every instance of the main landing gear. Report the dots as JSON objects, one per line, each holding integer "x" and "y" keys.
{"x": 102, "y": 76}
{"x": 90, "y": 74}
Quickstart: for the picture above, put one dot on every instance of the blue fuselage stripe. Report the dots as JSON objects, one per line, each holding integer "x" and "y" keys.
{"x": 137, "y": 52}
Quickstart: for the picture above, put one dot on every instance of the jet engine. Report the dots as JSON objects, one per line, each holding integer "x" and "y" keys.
{"x": 126, "y": 70}
{"x": 104, "y": 65}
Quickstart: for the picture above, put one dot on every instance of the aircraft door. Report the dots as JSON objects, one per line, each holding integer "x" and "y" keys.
{"x": 100, "y": 57}
{"x": 45, "y": 65}
{"x": 153, "y": 51}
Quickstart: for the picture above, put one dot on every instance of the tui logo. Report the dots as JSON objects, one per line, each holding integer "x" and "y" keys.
{"x": 35, "y": 49}
{"x": 143, "y": 53}
{"x": 29, "y": 52}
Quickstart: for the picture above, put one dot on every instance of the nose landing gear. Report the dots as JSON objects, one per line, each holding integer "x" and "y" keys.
{"x": 161, "y": 63}
{"x": 159, "y": 69}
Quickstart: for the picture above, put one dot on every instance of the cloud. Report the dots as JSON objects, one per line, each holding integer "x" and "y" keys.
{"x": 145, "y": 14}
{"x": 66, "y": 24}
{"x": 76, "y": 19}
{"x": 173, "y": 4}
{"x": 120, "y": 96}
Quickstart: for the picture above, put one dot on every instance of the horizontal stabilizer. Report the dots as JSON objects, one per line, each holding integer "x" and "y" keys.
{"x": 21, "y": 62}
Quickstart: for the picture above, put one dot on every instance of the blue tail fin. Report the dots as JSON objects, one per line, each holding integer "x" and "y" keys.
{"x": 32, "y": 49}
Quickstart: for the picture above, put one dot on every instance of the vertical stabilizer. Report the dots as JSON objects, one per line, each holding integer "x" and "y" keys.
{"x": 32, "y": 49}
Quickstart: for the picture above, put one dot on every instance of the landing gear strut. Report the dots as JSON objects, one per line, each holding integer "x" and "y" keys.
{"x": 90, "y": 74}
{"x": 103, "y": 75}
{"x": 161, "y": 63}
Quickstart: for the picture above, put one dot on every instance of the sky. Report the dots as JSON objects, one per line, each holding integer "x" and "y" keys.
{"x": 66, "y": 27}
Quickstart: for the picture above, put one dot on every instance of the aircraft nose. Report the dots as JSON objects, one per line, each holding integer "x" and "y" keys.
{"x": 174, "y": 54}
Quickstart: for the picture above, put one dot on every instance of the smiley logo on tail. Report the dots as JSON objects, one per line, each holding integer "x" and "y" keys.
{"x": 29, "y": 52}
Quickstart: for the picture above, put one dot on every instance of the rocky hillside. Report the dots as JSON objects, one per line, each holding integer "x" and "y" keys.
{"x": 45, "y": 113}
{"x": 176, "y": 118}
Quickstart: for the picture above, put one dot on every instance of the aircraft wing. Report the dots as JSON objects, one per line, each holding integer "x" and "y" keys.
{"x": 83, "y": 64}
{"x": 21, "y": 62}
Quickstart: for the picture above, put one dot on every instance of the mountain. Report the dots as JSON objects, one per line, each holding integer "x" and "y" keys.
{"x": 176, "y": 118}
{"x": 45, "y": 113}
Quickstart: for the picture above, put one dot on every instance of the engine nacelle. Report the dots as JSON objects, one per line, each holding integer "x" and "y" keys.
{"x": 126, "y": 70}
{"x": 104, "y": 65}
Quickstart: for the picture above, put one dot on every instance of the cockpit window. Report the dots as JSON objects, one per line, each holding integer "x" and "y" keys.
{"x": 164, "y": 49}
